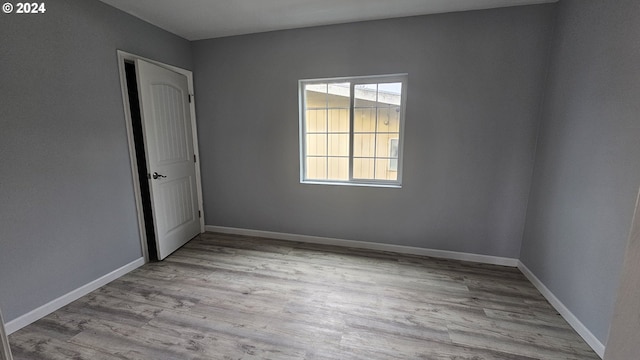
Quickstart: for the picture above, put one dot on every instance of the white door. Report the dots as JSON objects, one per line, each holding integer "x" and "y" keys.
{"x": 166, "y": 119}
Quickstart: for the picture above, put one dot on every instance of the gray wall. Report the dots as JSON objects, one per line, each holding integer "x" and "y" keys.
{"x": 67, "y": 211}
{"x": 588, "y": 159}
{"x": 475, "y": 85}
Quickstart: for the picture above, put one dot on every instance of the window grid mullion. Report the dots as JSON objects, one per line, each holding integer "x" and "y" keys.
{"x": 326, "y": 130}
{"x": 352, "y": 96}
{"x": 375, "y": 136}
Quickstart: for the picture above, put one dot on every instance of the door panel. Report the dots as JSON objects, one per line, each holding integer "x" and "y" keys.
{"x": 166, "y": 121}
{"x": 170, "y": 138}
{"x": 179, "y": 192}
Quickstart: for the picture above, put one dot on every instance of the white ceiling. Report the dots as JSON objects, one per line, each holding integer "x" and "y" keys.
{"x": 203, "y": 19}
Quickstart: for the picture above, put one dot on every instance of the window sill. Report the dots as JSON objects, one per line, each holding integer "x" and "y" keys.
{"x": 363, "y": 184}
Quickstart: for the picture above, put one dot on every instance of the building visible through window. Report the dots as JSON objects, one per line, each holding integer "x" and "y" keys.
{"x": 351, "y": 129}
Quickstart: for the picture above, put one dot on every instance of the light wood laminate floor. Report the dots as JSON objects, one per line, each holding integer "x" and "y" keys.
{"x": 232, "y": 297}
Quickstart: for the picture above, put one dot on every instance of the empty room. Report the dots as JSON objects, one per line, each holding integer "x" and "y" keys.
{"x": 320, "y": 179}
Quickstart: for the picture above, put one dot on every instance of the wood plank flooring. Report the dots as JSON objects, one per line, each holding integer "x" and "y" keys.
{"x": 232, "y": 297}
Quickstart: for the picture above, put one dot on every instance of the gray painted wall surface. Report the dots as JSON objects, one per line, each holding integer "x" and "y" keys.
{"x": 67, "y": 211}
{"x": 475, "y": 85}
{"x": 588, "y": 159}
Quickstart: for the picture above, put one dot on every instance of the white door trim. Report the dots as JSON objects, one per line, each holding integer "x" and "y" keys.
{"x": 5, "y": 350}
{"x": 624, "y": 329}
{"x": 122, "y": 56}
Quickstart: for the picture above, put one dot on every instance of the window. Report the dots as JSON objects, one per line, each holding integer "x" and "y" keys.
{"x": 351, "y": 130}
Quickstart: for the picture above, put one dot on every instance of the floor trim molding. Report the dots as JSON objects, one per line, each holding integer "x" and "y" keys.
{"x": 46, "y": 309}
{"x": 575, "y": 323}
{"x": 485, "y": 259}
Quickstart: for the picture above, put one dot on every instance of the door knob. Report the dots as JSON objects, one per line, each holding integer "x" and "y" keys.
{"x": 156, "y": 175}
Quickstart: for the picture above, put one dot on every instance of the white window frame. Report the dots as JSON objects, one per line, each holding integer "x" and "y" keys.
{"x": 353, "y": 80}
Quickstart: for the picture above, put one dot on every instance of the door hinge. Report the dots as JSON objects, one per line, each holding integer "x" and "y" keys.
{"x": 190, "y": 96}
{"x": 194, "y": 158}
{"x": 199, "y": 214}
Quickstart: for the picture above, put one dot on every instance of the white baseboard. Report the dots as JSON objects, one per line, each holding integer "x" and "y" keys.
{"x": 575, "y": 323}
{"x": 46, "y": 309}
{"x": 444, "y": 254}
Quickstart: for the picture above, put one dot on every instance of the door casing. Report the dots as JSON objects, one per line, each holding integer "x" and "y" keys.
{"x": 625, "y": 324}
{"x": 125, "y": 56}
{"x": 5, "y": 350}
